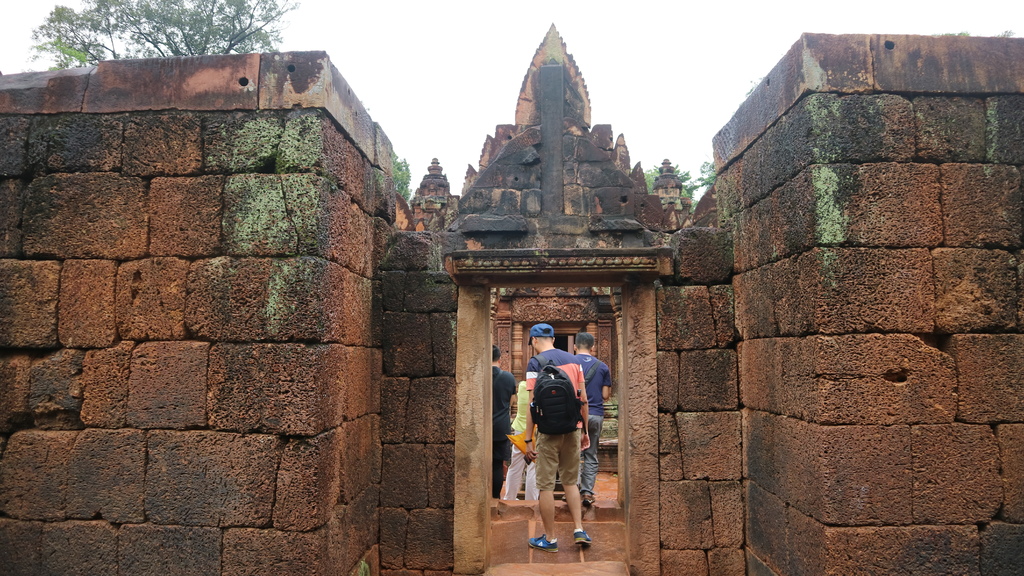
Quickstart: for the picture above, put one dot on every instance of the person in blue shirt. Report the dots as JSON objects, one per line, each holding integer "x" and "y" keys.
{"x": 599, "y": 390}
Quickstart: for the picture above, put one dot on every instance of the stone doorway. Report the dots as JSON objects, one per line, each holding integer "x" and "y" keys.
{"x": 635, "y": 377}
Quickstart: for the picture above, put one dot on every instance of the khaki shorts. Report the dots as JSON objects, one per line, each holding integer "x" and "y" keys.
{"x": 557, "y": 452}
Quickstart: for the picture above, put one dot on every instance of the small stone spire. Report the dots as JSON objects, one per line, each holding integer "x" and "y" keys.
{"x": 434, "y": 183}
{"x": 667, "y": 185}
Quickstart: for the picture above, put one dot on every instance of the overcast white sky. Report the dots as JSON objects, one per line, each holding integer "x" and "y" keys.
{"x": 438, "y": 76}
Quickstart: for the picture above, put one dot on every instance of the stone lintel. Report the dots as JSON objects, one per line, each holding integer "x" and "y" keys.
{"x": 863, "y": 63}
{"x": 273, "y": 81}
{"x": 568, "y": 267}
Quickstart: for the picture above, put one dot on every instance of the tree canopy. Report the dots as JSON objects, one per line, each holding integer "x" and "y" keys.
{"x": 401, "y": 175}
{"x": 117, "y": 29}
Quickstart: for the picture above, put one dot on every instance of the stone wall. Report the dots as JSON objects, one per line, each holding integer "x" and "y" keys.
{"x": 417, "y": 498}
{"x": 700, "y": 472}
{"x": 189, "y": 351}
{"x": 873, "y": 186}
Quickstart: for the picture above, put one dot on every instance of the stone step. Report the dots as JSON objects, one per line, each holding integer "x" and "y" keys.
{"x": 600, "y": 511}
{"x": 584, "y": 569}
{"x": 509, "y": 543}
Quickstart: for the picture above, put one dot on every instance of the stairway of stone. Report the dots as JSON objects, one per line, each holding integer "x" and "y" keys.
{"x": 514, "y": 522}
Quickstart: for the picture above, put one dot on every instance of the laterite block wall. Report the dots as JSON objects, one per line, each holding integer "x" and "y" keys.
{"x": 873, "y": 185}
{"x": 190, "y": 350}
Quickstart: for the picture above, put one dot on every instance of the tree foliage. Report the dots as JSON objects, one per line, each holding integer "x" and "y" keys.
{"x": 117, "y": 29}
{"x": 401, "y": 175}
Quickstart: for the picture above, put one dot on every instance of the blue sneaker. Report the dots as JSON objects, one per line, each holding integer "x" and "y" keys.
{"x": 581, "y": 538}
{"x": 541, "y": 543}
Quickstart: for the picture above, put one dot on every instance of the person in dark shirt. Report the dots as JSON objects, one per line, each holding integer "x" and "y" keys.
{"x": 599, "y": 388}
{"x": 503, "y": 389}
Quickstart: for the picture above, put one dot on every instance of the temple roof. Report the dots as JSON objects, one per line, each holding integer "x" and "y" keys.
{"x": 552, "y": 50}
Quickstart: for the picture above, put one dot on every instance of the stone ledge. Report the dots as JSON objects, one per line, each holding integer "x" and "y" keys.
{"x": 272, "y": 81}
{"x": 862, "y": 63}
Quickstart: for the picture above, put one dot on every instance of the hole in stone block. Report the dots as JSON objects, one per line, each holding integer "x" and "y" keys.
{"x": 898, "y": 376}
{"x": 622, "y": 199}
{"x": 291, "y": 67}
{"x": 767, "y": 81}
{"x": 889, "y": 44}
{"x": 243, "y": 81}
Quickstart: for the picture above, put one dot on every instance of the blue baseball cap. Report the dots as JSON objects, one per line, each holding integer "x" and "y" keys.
{"x": 542, "y": 331}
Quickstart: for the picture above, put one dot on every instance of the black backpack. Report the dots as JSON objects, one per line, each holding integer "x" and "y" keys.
{"x": 556, "y": 406}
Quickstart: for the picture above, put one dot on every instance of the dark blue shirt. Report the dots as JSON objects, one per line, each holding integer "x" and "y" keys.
{"x": 602, "y": 377}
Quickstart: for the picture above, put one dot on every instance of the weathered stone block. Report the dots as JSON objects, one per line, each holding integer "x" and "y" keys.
{"x": 293, "y": 298}
{"x": 360, "y": 460}
{"x": 354, "y": 530}
{"x": 11, "y": 202}
{"x": 200, "y": 478}
{"x": 956, "y": 474}
{"x": 769, "y": 301}
{"x": 402, "y": 472}
{"x": 14, "y": 132}
{"x": 861, "y": 290}
{"x": 430, "y": 292}
{"x": 311, "y": 143}
{"x": 241, "y": 141}
{"x": 359, "y": 380}
{"x": 1004, "y": 138}
{"x": 726, "y": 562}
{"x": 708, "y": 380}
{"x": 440, "y": 462}
{"x": 167, "y": 385}
{"x": 393, "y": 526}
{"x": 981, "y": 205}
{"x": 307, "y": 482}
{"x": 34, "y": 477}
{"x": 690, "y": 562}
{"x": 76, "y": 143}
{"x": 703, "y": 255}
{"x": 1001, "y": 546}
{"x": 858, "y": 379}
{"x": 55, "y": 390}
{"x": 269, "y": 215}
{"x": 407, "y": 349}
{"x": 150, "y": 550}
{"x": 685, "y": 319}
{"x": 163, "y": 145}
{"x": 686, "y": 521}
{"x": 975, "y": 290}
{"x": 894, "y": 550}
{"x": 710, "y": 443}
{"x": 670, "y": 456}
{"x": 394, "y": 400}
{"x": 1011, "y": 456}
{"x": 105, "y": 386}
{"x": 28, "y": 303}
{"x": 950, "y": 129}
{"x": 442, "y": 337}
{"x": 413, "y": 251}
{"x": 766, "y": 531}
{"x": 78, "y": 548}
{"x": 668, "y": 381}
{"x": 430, "y": 417}
{"x": 85, "y": 216}
{"x": 86, "y": 318}
{"x": 106, "y": 476}
{"x": 990, "y": 368}
{"x": 429, "y": 544}
{"x": 727, "y": 513}
{"x": 249, "y": 551}
{"x": 185, "y": 216}
{"x": 14, "y": 392}
{"x": 294, "y": 389}
{"x": 22, "y": 543}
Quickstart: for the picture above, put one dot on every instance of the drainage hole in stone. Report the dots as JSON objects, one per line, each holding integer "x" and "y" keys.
{"x": 291, "y": 67}
{"x": 898, "y": 376}
{"x": 889, "y": 44}
{"x": 767, "y": 81}
{"x": 243, "y": 81}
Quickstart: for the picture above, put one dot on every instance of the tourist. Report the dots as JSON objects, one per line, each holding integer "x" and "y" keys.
{"x": 599, "y": 389}
{"x": 556, "y": 374}
{"x": 503, "y": 389}
{"x": 514, "y": 478}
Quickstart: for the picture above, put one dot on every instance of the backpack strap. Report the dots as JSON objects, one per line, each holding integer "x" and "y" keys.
{"x": 590, "y": 373}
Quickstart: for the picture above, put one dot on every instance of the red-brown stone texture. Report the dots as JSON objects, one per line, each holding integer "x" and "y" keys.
{"x": 28, "y": 303}
{"x": 185, "y": 216}
{"x": 105, "y": 377}
{"x": 162, "y": 145}
{"x": 151, "y": 550}
{"x": 981, "y": 205}
{"x": 106, "y": 476}
{"x": 151, "y": 299}
{"x": 87, "y": 304}
{"x": 990, "y": 368}
{"x": 1011, "y": 453}
{"x": 167, "y": 385}
{"x": 34, "y": 477}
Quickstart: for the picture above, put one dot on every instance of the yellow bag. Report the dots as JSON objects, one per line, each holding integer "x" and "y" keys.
{"x": 519, "y": 440}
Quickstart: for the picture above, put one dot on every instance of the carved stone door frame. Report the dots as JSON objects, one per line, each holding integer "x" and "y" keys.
{"x": 635, "y": 270}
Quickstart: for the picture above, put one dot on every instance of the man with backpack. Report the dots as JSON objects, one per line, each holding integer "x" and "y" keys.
{"x": 599, "y": 389}
{"x": 558, "y": 406}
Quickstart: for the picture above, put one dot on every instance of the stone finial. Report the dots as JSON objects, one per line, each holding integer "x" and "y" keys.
{"x": 552, "y": 50}
{"x": 434, "y": 183}
{"x": 668, "y": 185}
